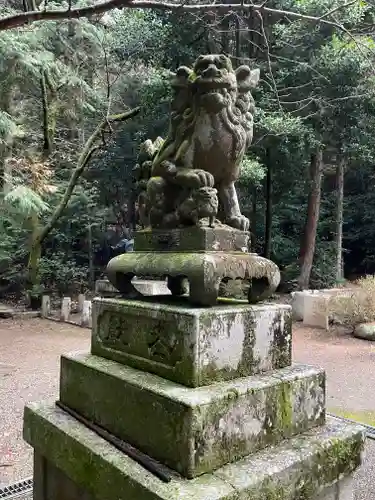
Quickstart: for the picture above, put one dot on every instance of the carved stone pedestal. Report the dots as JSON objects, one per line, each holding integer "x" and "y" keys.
{"x": 210, "y": 396}
{"x": 202, "y": 256}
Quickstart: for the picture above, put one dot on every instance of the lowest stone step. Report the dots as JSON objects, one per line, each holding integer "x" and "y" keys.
{"x": 72, "y": 462}
{"x": 193, "y": 430}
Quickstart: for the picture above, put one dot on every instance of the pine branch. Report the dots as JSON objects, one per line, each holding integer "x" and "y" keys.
{"x": 87, "y": 152}
{"x": 21, "y": 19}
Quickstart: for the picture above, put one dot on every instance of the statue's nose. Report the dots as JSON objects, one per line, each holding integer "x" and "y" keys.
{"x": 211, "y": 71}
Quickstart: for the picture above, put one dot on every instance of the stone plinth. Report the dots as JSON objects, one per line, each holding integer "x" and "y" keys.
{"x": 193, "y": 430}
{"x": 74, "y": 463}
{"x": 204, "y": 271}
{"x": 191, "y": 239}
{"x": 192, "y": 346}
{"x": 210, "y": 396}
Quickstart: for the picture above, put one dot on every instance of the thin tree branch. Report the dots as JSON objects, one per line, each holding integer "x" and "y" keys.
{"x": 85, "y": 156}
{"x": 336, "y": 9}
{"x": 21, "y": 19}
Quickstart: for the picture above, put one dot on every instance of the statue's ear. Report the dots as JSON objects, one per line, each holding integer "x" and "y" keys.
{"x": 247, "y": 79}
{"x": 254, "y": 77}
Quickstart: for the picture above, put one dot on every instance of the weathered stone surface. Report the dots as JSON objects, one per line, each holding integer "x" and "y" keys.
{"x": 365, "y": 331}
{"x": 211, "y": 126}
{"x": 341, "y": 490}
{"x": 193, "y": 430}
{"x": 51, "y": 483}
{"x": 6, "y": 311}
{"x": 296, "y": 469}
{"x": 316, "y": 310}
{"x": 205, "y": 271}
{"x": 66, "y": 307}
{"x": 298, "y": 304}
{"x": 46, "y": 306}
{"x": 193, "y": 346}
{"x": 86, "y": 314}
{"x": 146, "y": 287}
{"x": 192, "y": 239}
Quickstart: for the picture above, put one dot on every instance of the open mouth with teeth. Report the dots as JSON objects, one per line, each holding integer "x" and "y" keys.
{"x": 212, "y": 85}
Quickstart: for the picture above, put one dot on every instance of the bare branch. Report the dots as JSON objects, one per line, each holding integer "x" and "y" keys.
{"x": 336, "y": 9}
{"x": 21, "y": 19}
{"x": 88, "y": 150}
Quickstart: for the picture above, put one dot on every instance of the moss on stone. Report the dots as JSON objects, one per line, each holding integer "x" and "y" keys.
{"x": 296, "y": 470}
{"x": 249, "y": 364}
{"x": 284, "y": 408}
{"x": 281, "y": 349}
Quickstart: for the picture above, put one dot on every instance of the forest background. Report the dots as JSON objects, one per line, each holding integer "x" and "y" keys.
{"x": 78, "y": 96}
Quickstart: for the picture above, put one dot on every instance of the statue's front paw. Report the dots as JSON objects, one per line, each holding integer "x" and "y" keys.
{"x": 239, "y": 222}
{"x": 194, "y": 178}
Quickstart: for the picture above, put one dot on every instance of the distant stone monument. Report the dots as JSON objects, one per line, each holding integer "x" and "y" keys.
{"x": 188, "y": 396}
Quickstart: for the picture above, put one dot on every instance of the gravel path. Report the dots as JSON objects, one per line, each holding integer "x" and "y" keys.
{"x": 29, "y": 371}
{"x": 349, "y": 364}
{"x": 350, "y": 368}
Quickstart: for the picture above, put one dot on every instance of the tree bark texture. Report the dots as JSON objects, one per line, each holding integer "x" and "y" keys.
{"x": 268, "y": 224}
{"x": 313, "y": 207}
{"x": 340, "y": 172}
{"x": 253, "y": 219}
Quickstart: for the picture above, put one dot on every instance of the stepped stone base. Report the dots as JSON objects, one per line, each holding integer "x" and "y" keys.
{"x": 192, "y": 346}
{"x": 74, "y": 463}
{"x": 193, "y": 431}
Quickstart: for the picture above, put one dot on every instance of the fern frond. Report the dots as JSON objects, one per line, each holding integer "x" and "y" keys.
{"x": 27, "y": 201}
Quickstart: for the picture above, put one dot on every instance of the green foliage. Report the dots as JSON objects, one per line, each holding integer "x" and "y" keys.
{"x": 26, "y": 201}
{"x": 62, "y": 275}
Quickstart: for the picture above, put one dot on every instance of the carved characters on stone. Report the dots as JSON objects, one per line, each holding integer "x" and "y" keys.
{"x": 211, "y": 125}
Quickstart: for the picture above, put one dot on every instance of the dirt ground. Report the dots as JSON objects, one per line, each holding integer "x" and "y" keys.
{"x": 29, "y": 371}
{"x": 349, "y": 365}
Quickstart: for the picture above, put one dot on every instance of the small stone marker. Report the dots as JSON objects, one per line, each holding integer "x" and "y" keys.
{"x": 81, "y": 300}
{"x": 6, "y": 311}
{"x": 46, "y": 306}
{"x": 86, "y": 314}
{"x": 65, "y": 309}
{"x": 365, "y": 331}
{"x": 316, "y": 311}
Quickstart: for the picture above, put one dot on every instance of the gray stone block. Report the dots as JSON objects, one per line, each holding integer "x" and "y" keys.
{"x": 298, "y": 468}
{"x": 193, "y": 430}
{"x": 193, "y": 346}
{"x": 192, "y": 239}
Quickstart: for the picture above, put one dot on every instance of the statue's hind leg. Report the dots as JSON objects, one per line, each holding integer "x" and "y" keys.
{"x": 231, "y": 207}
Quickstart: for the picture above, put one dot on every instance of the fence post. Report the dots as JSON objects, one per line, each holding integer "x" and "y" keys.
{"x": 46, "y": 306}
{"x": 65, "y": 309}
{"x": 81, "y": 300}
{"x": 86, "y": 314}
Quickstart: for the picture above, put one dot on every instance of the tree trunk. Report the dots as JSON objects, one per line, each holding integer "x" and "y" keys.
{"x": 35, "y": 252}
{"x": 6, "y": 143}
{"x": 50, "y": 111}
{"x": 253, "y": 219}
{"x": 313, "y": 207}
{"x": 340, "y": 171}
{"x": 91, "y": 260}
{"x": 268, "y": 225}
{"x": 40, "y": 234}
{"x": 237, "y": 50}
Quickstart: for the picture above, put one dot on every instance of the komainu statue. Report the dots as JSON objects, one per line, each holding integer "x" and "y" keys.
{"x": 193, "y": 172}
{"x": 194, "y": 233}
